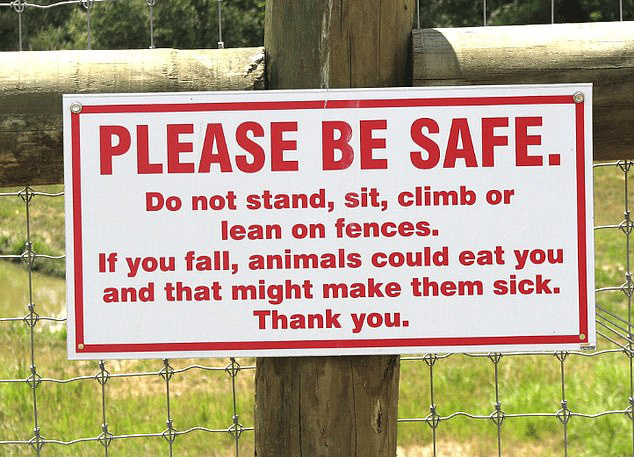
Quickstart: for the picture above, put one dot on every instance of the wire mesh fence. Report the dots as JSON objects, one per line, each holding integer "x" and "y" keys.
{"x": 34, "y": 381}
{"x": 612, "y": 395}
{"x": 568, "y": 403}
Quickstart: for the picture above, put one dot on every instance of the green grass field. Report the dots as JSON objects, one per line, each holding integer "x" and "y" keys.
{"x": 528, "y": 384}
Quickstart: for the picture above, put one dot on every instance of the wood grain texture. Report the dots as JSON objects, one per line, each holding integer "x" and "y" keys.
{"x": 600, "y": 53}
{"x": 332, "y": 406}
{"x": 32, "y": 83}
{"x": 338, "y": 43}
{"x": 326, "y": 406}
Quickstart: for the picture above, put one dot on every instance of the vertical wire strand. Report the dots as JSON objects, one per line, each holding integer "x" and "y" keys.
{"x": 88, "y": 4}
{"x": 433, "y": 420}
{"x": 151, "y": 27}
{"x": 628, "y": 278}
{"x": 20, "y": 31}
{"x": 552, "y": 11}
{"x": 627, "y": 231}
{"x": 621, "y": 10}
{"x": 88, "y": 26}
{"x": 221, "y": 44}
{"x": 497, "y": 416}
{"x": 484, "y": 12}
{"x": 169, "y": 434}
{"x": 151, "y": 4}
{"x": 498, "y": 405}
{"x": 18, "y": 7}
{"x": 564, "y": 413}
{"x": 233, "y": 369}
{"x": 631, "y": 399}
{"x": 433, "y": 404}
{"x": 104, "y": 423}
{"x": 105, "y": 438}
{"x": 34, "y": 378}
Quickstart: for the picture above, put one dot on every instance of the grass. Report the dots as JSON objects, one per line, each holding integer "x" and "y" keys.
{"x": 46, "y": 215}
{"x": 527, "y": 384}
{"x": 134, "y": 405}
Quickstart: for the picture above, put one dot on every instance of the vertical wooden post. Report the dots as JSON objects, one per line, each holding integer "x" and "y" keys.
{"x": 332, "y": 406}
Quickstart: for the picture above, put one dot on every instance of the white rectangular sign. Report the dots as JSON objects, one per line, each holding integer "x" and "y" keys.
{"x": 323, "y": 222}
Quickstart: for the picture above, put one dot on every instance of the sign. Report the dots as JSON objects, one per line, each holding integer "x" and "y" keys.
{"x": 306, "y": 222}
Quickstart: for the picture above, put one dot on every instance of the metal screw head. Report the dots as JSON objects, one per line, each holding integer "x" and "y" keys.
{"x": 578, "y": 97}
{"x": 80, "y": 346}
{"x": 582, "y": 336}
{"x": 75, "y": 108}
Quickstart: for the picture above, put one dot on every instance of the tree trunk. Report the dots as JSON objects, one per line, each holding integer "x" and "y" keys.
{"x": 332, "y": 406}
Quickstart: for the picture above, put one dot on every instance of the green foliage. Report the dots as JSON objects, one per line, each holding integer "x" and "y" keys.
{"x": 183, "y": 24}
{"x": 462, "y": 13}
{"x": 190, "y": 24}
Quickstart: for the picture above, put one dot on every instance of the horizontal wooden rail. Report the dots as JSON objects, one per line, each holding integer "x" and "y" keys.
{"x": 31, "y": 85}
{"x": 31, "y": 82}
{"x": 600, "y": 53}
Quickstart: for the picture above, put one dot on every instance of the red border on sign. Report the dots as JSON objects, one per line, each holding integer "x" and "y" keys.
{"x": 325, "y": 344}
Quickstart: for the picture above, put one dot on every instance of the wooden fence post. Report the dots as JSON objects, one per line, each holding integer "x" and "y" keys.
{"x": 332, "y": 406}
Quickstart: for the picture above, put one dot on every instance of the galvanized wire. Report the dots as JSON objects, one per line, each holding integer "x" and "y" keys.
{"x": 35, "y": 438}
{"x": 612, "y": 328}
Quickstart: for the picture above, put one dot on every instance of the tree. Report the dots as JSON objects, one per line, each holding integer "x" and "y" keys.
{"x": 183, "y": 24}
{"x": 33, "y": 22}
